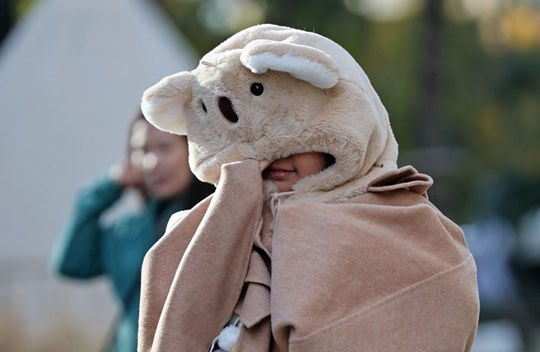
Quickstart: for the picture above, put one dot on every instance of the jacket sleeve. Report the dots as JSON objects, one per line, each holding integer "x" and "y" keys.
{"x": 78, "y": 251}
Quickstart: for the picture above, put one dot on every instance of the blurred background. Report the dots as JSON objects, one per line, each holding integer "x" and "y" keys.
{"x": 460, "y": 79}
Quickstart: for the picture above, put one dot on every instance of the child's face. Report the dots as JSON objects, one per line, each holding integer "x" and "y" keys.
{"x": 284, "y": 173}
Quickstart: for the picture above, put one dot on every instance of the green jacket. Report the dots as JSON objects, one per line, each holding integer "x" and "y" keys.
{"x": 88, "y": 249}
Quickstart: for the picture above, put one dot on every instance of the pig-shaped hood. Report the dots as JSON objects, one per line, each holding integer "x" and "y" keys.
{"x": 268, "y": 92}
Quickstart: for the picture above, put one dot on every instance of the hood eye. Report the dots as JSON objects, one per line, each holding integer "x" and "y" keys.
{"x": 257, "y": 89}
{"x": 203, "y": 106}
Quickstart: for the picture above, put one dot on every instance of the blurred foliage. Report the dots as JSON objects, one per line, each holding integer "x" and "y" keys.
{"x": 18, "y": 8}
{"x": 21, "y": 6}
{"x": 486, "y": 108}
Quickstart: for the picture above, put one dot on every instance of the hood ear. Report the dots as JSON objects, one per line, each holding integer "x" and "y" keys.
{"x": 165, "y": 104}
{"x": 301, "y": 61}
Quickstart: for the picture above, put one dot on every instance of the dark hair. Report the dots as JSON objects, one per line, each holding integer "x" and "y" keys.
{"x": 330, "y": 160}
{"x": 141, "y": 189}
{"x": 197, "y": 191}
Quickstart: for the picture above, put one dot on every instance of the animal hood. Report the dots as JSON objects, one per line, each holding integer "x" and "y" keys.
{"x": 268, "y": 92}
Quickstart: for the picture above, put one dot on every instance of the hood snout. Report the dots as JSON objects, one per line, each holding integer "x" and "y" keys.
{"x": 227, "y": 109}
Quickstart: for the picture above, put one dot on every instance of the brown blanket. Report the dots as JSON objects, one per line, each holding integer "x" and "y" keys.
{"x": 384, "y": 271}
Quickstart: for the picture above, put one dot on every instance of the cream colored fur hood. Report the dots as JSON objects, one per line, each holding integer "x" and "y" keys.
{"x": 356, "y": 259}
{"x": 269, "y": 92}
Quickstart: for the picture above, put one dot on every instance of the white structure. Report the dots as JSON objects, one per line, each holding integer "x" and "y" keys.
{"x": 71, "y": 76}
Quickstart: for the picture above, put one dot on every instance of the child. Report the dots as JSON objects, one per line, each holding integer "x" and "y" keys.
{"x": 314, "y": 240}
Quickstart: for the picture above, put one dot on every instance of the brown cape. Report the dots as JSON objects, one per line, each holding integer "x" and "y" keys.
{"x": 384, "y": 271}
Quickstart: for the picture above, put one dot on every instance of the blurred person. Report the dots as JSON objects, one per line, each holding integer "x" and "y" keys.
{"x": 157, "y": 168}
